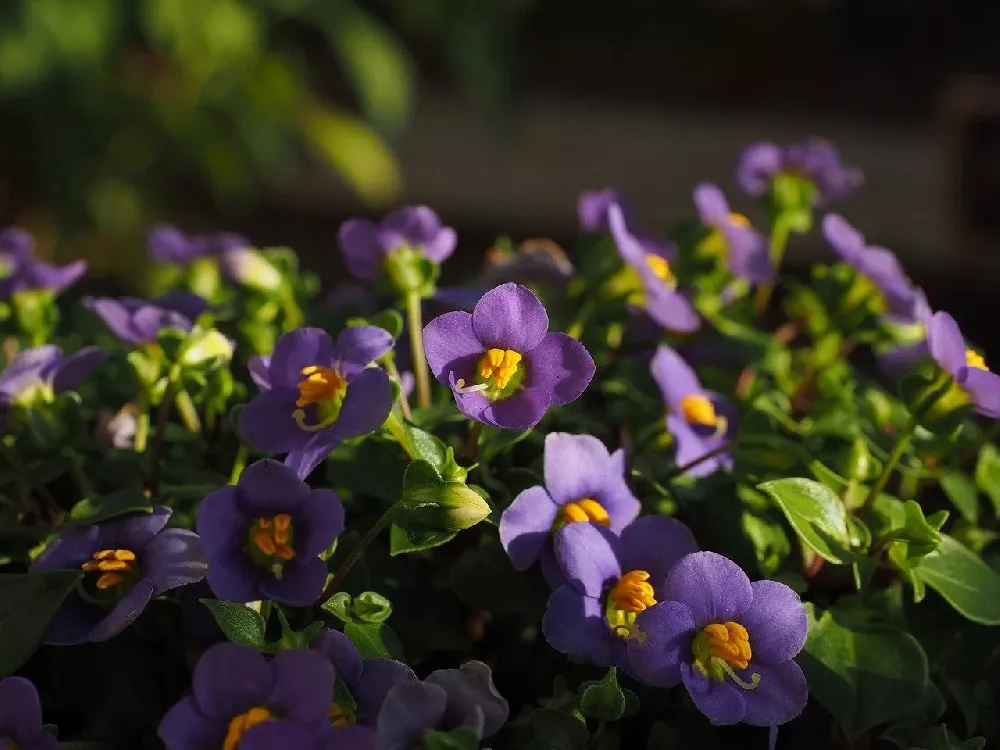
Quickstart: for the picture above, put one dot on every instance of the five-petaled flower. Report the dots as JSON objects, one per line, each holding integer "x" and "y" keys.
{"x": 411, "y": 230}
{"x": 501, "y": 363}
{"x": 583, "y": 483}
{"x": 966, "y": 366}
{"x": 699, "y": 420}
{"x": 236, "y": 259}
{"x": 21, "y": 717}
{"x": 126, "y": 562}
{"x": 731, "y": 642}
{"x": 263, "y": 536}
{"x": 611, "y": 580}
{"x": 447, "y": 699}
{"x": 743, "y": 247}
{"x": 814, "y": 159}
{"x": 316, "y": 393}
{"x": 137, "y": 321}
{"x": 21, "y": 271}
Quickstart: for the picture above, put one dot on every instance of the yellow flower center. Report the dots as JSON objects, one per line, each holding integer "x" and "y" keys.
{"x": 583, "y": 511}
{"x": 271, "y": 541}
{"x": 660, "y": 268}
{"x": 320, "y": 384}
{"x": 720, "y": 647}
{"x": 242, "y": 724}
{"x": 739, "y": 220}
{"x": 113, "y": 565}
{"x": 499, "y": 365}
{"x": 630, "y": 595}
{"x": 975, "y": 360}
{"x": 698, "y": 409}
{"x": 341, "y": 716}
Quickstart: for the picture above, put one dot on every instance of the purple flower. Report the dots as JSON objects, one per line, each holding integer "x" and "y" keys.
{"x": 232, "y": 253}
{"x": 815, "y": 160}
{"x": 316, "y": 394}
{"x": 126, "y": 561}
{"x": 660, "y": 298}
{"x": 583, "y": 483}
{"x": 137, "y": 321}
{"x": 40, "y": 373}
{"x": 502, "y": 365}
{"x": 21, "y": 717}
{"x": 611, "y": 580}
{"x": 965, "y": 366}
{"x": 448, "y": 699}
{"x": 593, "y": 205}
{"x": 264, "y": 535}
{"x": 901, "y": 300}
{"x": 20, "y": 270}
{"x": 731, "y": 642}
{"x": 745, "y": 249}
{"x": 367, "y": 680}
{"x": 700, "y": 421}
{"x": 242, "y": 700}
{"x": 416, "y": 229}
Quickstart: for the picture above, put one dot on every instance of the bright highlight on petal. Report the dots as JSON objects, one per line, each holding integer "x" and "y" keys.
{"x": 242, "y": 724}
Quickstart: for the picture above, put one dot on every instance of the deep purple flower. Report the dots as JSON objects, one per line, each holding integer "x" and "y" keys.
{"x": 127, "y": 561}
{"x": 611, "y": 580}
{"x": 814, "y": 159}
{"x": 367, "y": 680}
{"x": 237, "y": 260}
{"x": 21, "y": 717}
{"x": 448, "y": 699}
{"x": 593, "y": 205}
{"x": 263, "y": 536}
{"x": 136, "y": 321}
{"x": 700, "y": 421}
{"x": 583, "y": 483}
{"x": 745, "y": 249}
{"x": 242, "y": 700}
{"x": 731, "y": 642}
{"x": 500, "y": 362}
{"x": 316, "y": 393}
{"x": 660, "y": 298}
{"x": 966, "y": 366}
{"x": 366, "y": 244}
{"x": 21, "y": 271}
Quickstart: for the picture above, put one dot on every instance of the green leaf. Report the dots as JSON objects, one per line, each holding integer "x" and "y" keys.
{"x": 339, "y": 605}
{"x": 988, "y": 474}
{"x": 400, "y": 544}
{"x": 117, "y": 503}
{"x": 238, "y": 622}
{"x": 29, "y": 603}
{"x": 432, "y": 504}
{"x": 603, "y": 700}
{"x": 863, "y": 673}
{"x": 483, "y": 578}
{"x": 374, "y": 640}
{"x": 554, "y": 730}
{"x": 370, "y": 606}
{"x": 457, "y": 739}
{"x": 816, "y": 514}
{"x": 962, "y": 492}
{"x": 963, "y": 580}
{"x": 387, "y": 320}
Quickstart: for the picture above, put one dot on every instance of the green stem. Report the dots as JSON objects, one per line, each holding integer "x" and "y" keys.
{"x": 338, "y": 578}
{"x": 420, "y": 372}
{"x": 293, "y": 313}
{"x": 701, "y": 459}
{"x": 141, "y": 425}
{"x": 397, "y": 429}
{"x": 779, "y": 240}
{"x": 472, "y": 444}
{"x": 404, "y": 402}
{"x": 188, "y": 411}
{"x": 238, "y": 463}
{"x": 160, "y": 439}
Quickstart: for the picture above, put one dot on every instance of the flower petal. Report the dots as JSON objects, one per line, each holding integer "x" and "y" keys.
{"x": 520, "y": 411}
{"x": 75, "y": 368}
{"x": 173, "y": 558}
{"x": 22, "y": 710}
{"x": 674, "y": 376}
{"x": 846, "y": 241}
{"x": 576, "y": 466}
{"x": 358, "y": 346}
{"x": 748, "y": 254}
{"x": 303, "y": 684}
{"x": 713, "y": 209}
{"x": 229, "y": 679}
{"x": 134, "y": 531}
{"x": 470, "y": 687}
{"x": 300, "y": 585}
{"x": 947, "y": 345}
{"x": 69, "y": 550}
{"x": 655, "y": 544}
{"x": 448, "y": 338}
{"x": 722, "y": 702}
{"x": 267, "y": 422}
{"x": 776, "y": 622}
{"x": 378, "y": 677}
{"x": 297, "y": 349}
{"x": 780, "y": 696}
{"x": 341, "y": 652}
{"x": 440, "y": 248}
{"x": 660, "y": 642}
{"x": 984, "y": 389}
{"x": 574, "y": 625}
{"x": 320, "y": 521}
{"x": 29, "y": 368}
{"x": 73, "y": 622}
{"x": 366, "y": 405}
{"x": 316, "y": 450}
{"x": 669, "y": 309}
{"x": 525, "y": 527}
{"x": 691, "y": 446}
{"x": 714, "y": 587}
{"x": 268, "y": 487}
{"x": 757, "y": 165}
{"x": 629, "y": 248}
{"x": 222, "y": 526}
{"x": 281, "y": 735}
{"x": 409, "y": 710}
{"x": 363, "y": 255}
{"x": 588, "y": 555}
{"x": 592, "y": 208}
{"x": 510, "y": 316}
{"x": 561, "y": 365}
{"x": 125, "y": 612}
{"x": 233, "y": 577}
{"x": 184, "y": 726}
{"x": 259, "y": 369}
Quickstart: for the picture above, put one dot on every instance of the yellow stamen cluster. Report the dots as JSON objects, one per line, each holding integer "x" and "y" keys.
{"x": 730, "y": 642}
{"x": 500, "y": 365}
{"x": 739, "y": 220}
{"x": 340, "y": 716}
{"x": 242, "y": 724}
{"x": 697, "y": 409}
{"x": 660, "y": 268}
{"x": 975, "y": 360}
{"x": 272, "y": 536}
{"x": 632, "y": 593}
{"x": 585, "y": 510}
{"x": 113, "y": 565}
{"x": 320, "y": 384}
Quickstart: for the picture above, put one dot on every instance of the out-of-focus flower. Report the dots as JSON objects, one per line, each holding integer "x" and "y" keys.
{"x": 965, "y": 366}
{"x": 814, "y": 160}
{"x": 127, "y": 561}
{"x": 611, "y": 580}
{"x": 238, "y": 262}
{"x": 501, "y": 363}
{"x": 21, "y": 717}
{"x": 743, "y": 247}
{"x": 21, "y": 271}
{"x": 536, "y": 260}
{"x": 367, "y": 245}
{"x": 316, "y": 393}
{"x": 136, "y": 321}
{"x": 700, "y": 421}
{"x": 731, "y": 642}
{"x": 38, "y": 374}
{"x": 263, "y": 536}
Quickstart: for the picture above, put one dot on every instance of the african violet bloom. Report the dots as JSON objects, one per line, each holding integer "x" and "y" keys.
{"x": 731, "y": 642}
{"x": 611, "y": 579}
{"x": 660, "y": 298}
{"x": 583, "y": 483}
{"x": 743, "y": 247}
{"x": 367, "y": 680}
{"x": 21, "y": 271}
{"x": 21, "y": 717}
{"x": 965, "y": 366}
{"x": 316, "y": 393}
{"x": 127, "y": 561}
{"x": 411, "y": 230}
{"x": 137, "y": 321}
{"x": 699, "y": 420}
{"x": 447, "y": 699}
{"x": 502, "y": 365}
{"x": 237, "y": 260}
{"x": 263, "y": 536}
{"x": 814, "y": 159}
{"x": 243, "y": 701}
